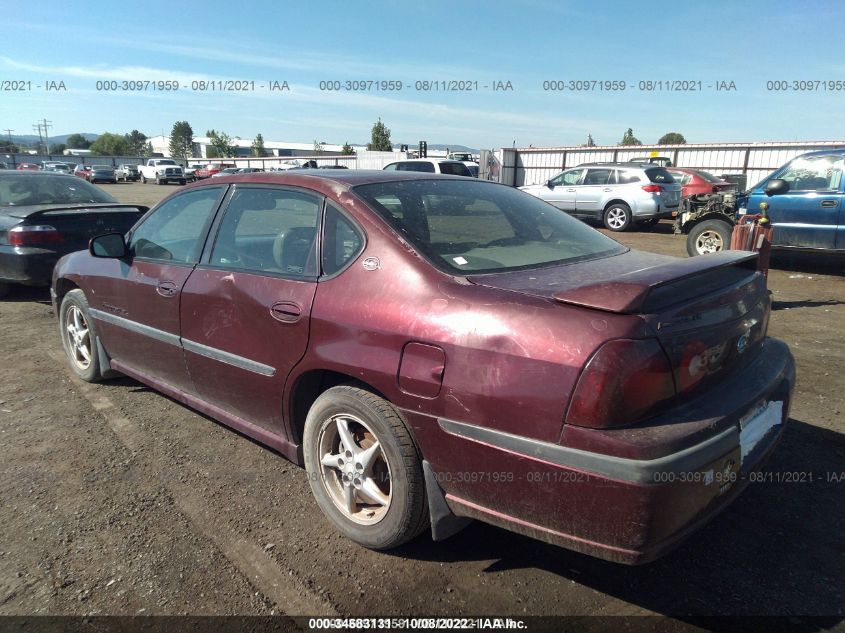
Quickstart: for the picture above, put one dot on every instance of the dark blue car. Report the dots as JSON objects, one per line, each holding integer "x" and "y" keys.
{"x": 809, "y": 215}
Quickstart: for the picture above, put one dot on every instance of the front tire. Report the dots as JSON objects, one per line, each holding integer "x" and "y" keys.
{"x": 617, "y": 217}
{"x": 363, "y": 467}
{"x": 79, "y": 338}
{"x": 710, "y": 236}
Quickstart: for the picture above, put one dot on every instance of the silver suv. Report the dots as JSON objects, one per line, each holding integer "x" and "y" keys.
{"x": 619, "y": 194}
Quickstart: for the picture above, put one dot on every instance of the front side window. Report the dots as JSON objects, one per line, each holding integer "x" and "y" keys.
{"x": 814, "y": 173}
{"x": 464, "y": 226}
{"x": 269, "y": 230}
{"x": 567, "y": 178}
{"x": 174, "y": 230}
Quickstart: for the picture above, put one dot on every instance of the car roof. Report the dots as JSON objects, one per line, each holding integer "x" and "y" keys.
{"x": 328, "y": 180}
{"x": 619, "y": 164}
{"x": 427, "y": 160}
{"x": 13, "y": 173}
{"x": 834, "y": 151}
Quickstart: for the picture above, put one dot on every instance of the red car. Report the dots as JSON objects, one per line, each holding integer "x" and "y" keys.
{"x": 436, "y": 348}
{"x": 698, "y": 181}
{"x": 211, "y": 169}
{"x": 83, "y": 171}
{"x": 28, "y": 167}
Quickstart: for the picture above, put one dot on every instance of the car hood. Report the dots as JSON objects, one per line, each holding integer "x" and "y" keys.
{"x": 626, "y": 283}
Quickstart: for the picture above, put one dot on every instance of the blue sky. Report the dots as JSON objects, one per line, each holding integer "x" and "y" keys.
{"x": 525, "y": 43}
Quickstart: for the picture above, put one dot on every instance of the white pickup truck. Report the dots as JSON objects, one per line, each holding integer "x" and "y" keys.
{"x": 162, "y": 170}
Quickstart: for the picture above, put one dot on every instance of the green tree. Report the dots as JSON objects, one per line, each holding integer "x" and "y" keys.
{"x": 347, "y": 150}
{"x": 148, "y": 149}
{"x": 57, "y": 148}
{"x": 220, "y": 143}
{"x": 629, "y": 139}
{"x": 137, "y": 142}
{"x": 258, "y": 148}
{"x": 8, "y": 147}
{"x": 380, "y": 141}
{"x": 109, "y": 144}
{"x": 77, "y": 141}
{"x": 672, "y": 138}
{"x": 181, "y": 140}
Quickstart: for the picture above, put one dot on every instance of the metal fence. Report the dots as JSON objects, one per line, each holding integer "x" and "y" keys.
{"x": 531, "y": 165}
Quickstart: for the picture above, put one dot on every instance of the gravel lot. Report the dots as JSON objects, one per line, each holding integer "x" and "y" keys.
{"x": 117, "y": 500}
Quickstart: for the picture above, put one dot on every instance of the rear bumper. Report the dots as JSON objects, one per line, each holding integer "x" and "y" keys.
{"x": 27, "y": 266}
{"x": 620, "y": 505}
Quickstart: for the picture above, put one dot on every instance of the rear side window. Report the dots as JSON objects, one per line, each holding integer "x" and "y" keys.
{"x": 174, "y": 231}
{"x": 416, "y": 166}
{"x": 341, "y": 241}
{"x": 455, "y": 169}
{"x": 269, "y": 230}
{"x": 627, "y": 177}
{"x": 659, "y": 174}
{"x": 599, "y": 177}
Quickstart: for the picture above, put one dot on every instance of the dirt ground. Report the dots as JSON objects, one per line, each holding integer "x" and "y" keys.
{"x": 116, "y": 500}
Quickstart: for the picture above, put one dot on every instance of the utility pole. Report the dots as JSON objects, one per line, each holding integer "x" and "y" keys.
{"x": 45, "y": 139}
{"x": 37, "y": 128}
{"x": 9, "y": 133}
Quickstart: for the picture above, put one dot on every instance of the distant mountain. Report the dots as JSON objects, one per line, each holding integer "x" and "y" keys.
{"x": 29, "y": 139}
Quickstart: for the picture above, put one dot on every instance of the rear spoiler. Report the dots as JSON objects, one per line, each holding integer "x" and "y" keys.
{"x": 649, "y": 289}
{"x": 59, "y": 208}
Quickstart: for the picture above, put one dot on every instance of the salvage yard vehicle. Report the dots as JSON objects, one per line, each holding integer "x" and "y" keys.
{"x": 698, "y": 181}
{"x": 807, "y": 215}
{"x": 435, "y": 348}
{"x": 621, "y": 195}
{"x": 127, "y": 173}
{"x": 44, "y": 215}
{"x": 162, "y": 171}
{"x": 431, "y": 166}
{"x": 101, "y": 173}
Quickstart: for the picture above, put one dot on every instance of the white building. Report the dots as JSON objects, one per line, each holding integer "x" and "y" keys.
{"x": 243, "y": 147}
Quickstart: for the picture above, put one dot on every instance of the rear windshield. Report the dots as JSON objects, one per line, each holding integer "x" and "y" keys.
{"x": 659, "y": 174}
{"x": 17, "y": 190}
{"x": 455, "y": 169}
{"x": 706, "y": 175}
{"x": 464, "y": 226}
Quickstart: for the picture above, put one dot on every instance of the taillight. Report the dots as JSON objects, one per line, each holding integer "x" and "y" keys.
{"x": 624, "y": 381}
{"x": 652, "y": 188}
{"x": 34, "y": 235}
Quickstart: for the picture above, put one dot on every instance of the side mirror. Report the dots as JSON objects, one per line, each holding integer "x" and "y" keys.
{"x": 776, "y": 187}
{"x": 550, "y": 184}
{"x": 110, "y": 245}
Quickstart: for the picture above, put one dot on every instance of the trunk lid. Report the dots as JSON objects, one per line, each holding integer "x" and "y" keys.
{"x": 79, "y": 223}
{"x": 709, "y": 313}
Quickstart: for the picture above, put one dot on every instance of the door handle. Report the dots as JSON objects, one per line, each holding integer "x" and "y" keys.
{"x": 829, "y": 203}
{"x": 570, "y": 190}
{"x": 607, "y": 189}
{"x": 166, "y": 288}
{"x": 285, "y": 312}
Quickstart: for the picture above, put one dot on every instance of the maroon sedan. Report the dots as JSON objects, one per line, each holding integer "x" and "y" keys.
{"x": 83, "y": 171}
{"x": 435, "y": 348}
{"x": 698, "y": 181}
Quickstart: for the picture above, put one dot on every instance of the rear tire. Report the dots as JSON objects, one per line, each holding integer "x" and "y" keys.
{"x": 79, "y": 338}
{"x": 710, "y": 236}
{"x": 617, "y": 217}
{"x": 143, "y": 179}
{"x": 364, "y": 469}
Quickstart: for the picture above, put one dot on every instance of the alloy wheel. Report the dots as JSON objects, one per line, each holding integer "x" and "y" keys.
{"x": 78, "y": 336}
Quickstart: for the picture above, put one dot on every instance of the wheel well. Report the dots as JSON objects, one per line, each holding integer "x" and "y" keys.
{"x": 309, "y": 387}
{"x": 612, "y": 202}
{"x": 63, "y": 286}
{"x": 721, "y": 217}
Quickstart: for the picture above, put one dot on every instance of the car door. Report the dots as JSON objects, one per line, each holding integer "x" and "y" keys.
{"x": 561, "y": 191}
{"x": 808, "y": 215}
{"x": 136, "y": 301}
{"x": 246, "y": 309}
{"x": 595, "y": 188}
